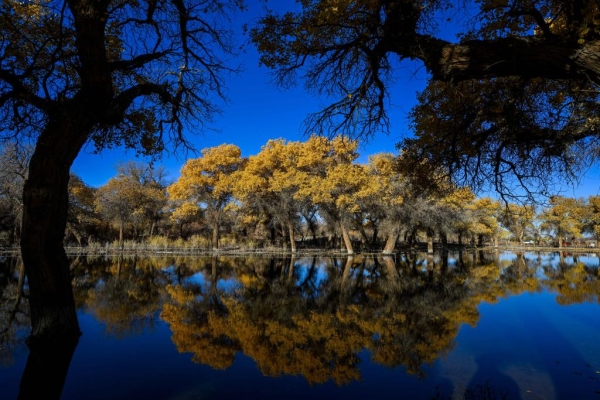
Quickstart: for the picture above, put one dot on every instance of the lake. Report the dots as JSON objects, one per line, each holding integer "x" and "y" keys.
{"x": 458, "y": 325}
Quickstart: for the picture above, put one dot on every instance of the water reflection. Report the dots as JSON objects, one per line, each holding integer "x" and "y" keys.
{"x": 314, "y": 317}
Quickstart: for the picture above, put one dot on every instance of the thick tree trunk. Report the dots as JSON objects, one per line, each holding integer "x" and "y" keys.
{"x": 390, "y": 243}
{"x": 528, "y": 57}
{"x": 45, "y": 203}
{"x": 46, "y": 370}
{"x": 346, "y": 237}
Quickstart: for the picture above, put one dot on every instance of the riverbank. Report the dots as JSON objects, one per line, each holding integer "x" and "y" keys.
{"x": 146, "y": 249}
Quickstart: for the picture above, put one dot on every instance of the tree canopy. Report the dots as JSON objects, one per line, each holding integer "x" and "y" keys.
{"x": 512, "y": 101}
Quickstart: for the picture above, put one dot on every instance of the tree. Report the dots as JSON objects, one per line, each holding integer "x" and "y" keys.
{"x": 484, "y": 213}
{"x": 564, "y": 218}
{"x": 106, "y": 73}
{"x": 334, "y": 182}
{"x": 593, "y": 222}
{"x": 517, "y": 219}
{"x": 270, "y": 182}
{"x": 149, "y": 187}
{"x": 508, "y": 105}
{"x": 206, "y": 183}
{"x": 14, "y": 162}
{"x": 81, "y": 215}
{"x": 135, "y": 195}
{"x": 390, "y": 187}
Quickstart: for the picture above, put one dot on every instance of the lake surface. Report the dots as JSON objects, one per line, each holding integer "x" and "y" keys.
{"x": 468, "y": 325}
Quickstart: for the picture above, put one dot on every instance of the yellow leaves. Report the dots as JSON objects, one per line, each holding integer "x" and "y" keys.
{"x": 185, "y": 211}
{"x": 459, "y": 198}
{"x": 210, "y": 175}
{"x": 179, "y": 295}
{"x": 29, "y": 9}
{"x": 207, "y": 180}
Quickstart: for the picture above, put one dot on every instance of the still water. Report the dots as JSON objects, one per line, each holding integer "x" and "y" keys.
{"x": 468, "y": 325}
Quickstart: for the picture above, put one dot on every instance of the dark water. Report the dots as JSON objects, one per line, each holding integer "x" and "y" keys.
{"x": 471, "y": 325}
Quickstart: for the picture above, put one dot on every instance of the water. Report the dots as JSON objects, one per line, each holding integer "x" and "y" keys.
{"x": 468, "y": 325}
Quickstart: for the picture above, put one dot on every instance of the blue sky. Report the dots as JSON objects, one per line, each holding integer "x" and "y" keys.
{"x": 258, "y": 111}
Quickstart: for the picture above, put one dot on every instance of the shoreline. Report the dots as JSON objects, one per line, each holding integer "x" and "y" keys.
{"x": 240, "y": 251}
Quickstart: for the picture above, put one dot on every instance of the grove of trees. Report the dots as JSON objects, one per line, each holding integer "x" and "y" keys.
{"x": 310, "y": 194}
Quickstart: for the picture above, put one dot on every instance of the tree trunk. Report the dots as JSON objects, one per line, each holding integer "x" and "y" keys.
{"x": 152, "y": 229}
{"x": 45, "y": 203}
{"x": 390, "y": 243}
{"x": 121, "y": 228}
{"x": 46, "y": 370}
{"x": 215, "y": 237}
{"x": 429, "y": 242}
{"x": 292, "y": 237}
{"x": 444, "y": 239}
{"x": 532, "y": 57}
{"x": 346, "y": 238}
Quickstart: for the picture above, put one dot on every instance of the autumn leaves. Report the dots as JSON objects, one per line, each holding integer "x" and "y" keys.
{"x": 284, "y": 181}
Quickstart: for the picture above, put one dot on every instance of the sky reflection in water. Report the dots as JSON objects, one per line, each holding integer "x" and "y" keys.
{"x": 524, "y": 325}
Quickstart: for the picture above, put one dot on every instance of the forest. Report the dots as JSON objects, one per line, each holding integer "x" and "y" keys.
{"x": 292, "y": 195}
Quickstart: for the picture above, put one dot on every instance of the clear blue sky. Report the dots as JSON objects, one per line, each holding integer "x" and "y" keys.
{"x": 258, "y": 111}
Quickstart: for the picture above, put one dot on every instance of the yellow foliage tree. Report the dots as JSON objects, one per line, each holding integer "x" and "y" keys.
{"x": 269, "y": 184}
{"x": 206, "y": 183}
{"x": 333, "y": 182}
{"x": 564, "y": 218}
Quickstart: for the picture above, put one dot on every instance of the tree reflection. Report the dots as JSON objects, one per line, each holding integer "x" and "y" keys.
{"x": 575, "y": 283}
{"x": 312, "y": 317}
{"x": 14, "y": 309}
{"x": 308, "y": 316}
{"x": 123, "y": 293}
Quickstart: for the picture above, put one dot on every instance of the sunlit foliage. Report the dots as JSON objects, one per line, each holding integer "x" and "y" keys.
{"x": 206, "y": 184}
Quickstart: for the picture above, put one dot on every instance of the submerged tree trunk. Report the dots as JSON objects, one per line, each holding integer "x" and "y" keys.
{"x": 45, "y": 203}
{"x": 46, "y": 370}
